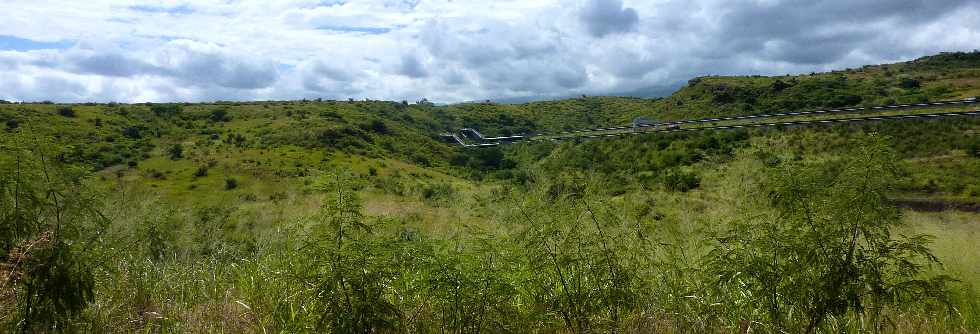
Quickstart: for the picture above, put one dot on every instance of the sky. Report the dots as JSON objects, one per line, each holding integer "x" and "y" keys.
{"x": 447, "y": 50}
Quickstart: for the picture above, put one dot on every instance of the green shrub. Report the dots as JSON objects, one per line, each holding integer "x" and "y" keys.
{"x": 828, "y": 249}
{"x": 681, "y": 181}
{"x": 973, "y": 149}
{"x": 201, "y": 171}
{"x": 66, "y": 111}
{"x": 48, "y": 216}
{"x": 176, "y": 151}
{"x": 132, "y": 132}
{"x": 350, "y": 270}
{"x": 166, "y": 110}
{"x": 909, "y": 83}
{"x": 376, "y": 126}
{"x": 438, "y": 193}
{"x": 219, "y": 115}
{"x": 12, "y": 123}
{"x": 579, "y": 266}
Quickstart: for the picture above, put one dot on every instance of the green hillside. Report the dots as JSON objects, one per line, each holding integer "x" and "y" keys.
{"x": 355, "y": 216}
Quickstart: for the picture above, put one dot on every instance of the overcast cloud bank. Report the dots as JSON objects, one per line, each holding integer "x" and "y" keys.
{"x": 447, "y": 51}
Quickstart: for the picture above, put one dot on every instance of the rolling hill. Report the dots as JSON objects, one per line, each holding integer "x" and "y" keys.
{"x": 221, "y": 216}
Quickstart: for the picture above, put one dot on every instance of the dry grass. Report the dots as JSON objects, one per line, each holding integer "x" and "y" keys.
{"x": 957, "y": 236}
{"x": 11, "y": 271}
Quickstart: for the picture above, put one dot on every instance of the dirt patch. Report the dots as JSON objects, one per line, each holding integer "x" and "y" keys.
{"x": 936, "y": 205}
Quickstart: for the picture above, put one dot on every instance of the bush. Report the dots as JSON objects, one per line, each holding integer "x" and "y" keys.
{"x": 487, "y": 159}
{"x": 828, "y": 250}
{"x": 377, "y": 126}
{"x": 66, "y": 111}
{"x": 579, "y": 265}
{"x": 201, "y": 171}
{"x": 48, "y": 217}
{"x": 973, "y": 149}
{"x": 176, "y": 152}
{"x": 779, "y": 86}
{"x": 166, "y": 110}
{"x": 132, "y": 132}
{"x": 438, "y": 192}
{"x": 909, "y": 83}
{"x": 349, "y": 267}
{"x": 231, "y": 183}
{"x": 219, "y": 115}
{"x": 156, "y": 174}
{"x": 677, "y": 180}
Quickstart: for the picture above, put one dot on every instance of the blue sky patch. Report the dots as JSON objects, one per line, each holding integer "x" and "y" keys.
{"x": 329, "y": 3}
{"x": 365, "y": 30}
{"x": 22, "y": 44}
{"x": 179, "y": 10}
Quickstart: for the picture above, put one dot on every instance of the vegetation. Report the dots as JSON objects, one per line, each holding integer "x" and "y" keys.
{"x": 45, "y": 210}
{"x": 353, "y": 216}
{"x": 828, "y": 249}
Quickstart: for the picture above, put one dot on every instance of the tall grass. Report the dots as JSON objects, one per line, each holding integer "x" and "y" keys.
{"x": 559, "y": 255}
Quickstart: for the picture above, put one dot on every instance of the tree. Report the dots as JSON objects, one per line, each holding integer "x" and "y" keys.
{"x": 424, "y": 102}
{"x": 46, "y": 211}
{"x": 828, "y": 249}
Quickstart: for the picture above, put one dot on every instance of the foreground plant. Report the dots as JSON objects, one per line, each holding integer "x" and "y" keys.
{"x": 46, "y": 219}
{"x": 827, "y": 250}
{"x": 349, "y": 272}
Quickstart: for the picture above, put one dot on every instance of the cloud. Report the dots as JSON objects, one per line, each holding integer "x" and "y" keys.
{"x": 604, "y": 17}
{"x": 331, "y": 71}
{"x": 412, "y": 67}
{"x": 207, "y": 64}
{"x": 820, "y": 32}
{"x": 109, "y": 64}
{"x": 188, "y": 62}
{"x": 176, "y": 10}
{"x": 322, "y": 78}
{"x": 366, "y": 30}
{"x": 449, "y": 51}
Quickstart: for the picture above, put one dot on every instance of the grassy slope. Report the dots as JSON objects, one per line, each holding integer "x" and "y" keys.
{"x": 269, "y": 147}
